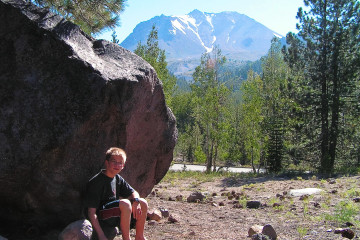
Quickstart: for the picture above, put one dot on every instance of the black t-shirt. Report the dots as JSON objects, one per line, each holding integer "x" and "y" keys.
{"x": 102, "y": 189}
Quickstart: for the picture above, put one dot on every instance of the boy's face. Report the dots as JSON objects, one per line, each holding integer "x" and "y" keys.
{"x": 115, "y": 164}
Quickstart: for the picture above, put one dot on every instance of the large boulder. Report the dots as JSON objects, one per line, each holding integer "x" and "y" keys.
{"x": 65, "y": 98}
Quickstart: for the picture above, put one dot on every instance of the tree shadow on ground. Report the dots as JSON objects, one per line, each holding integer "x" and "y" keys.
{"x": 251, "y": 178}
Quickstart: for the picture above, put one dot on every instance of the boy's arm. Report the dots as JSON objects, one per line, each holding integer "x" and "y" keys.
{"x": 136, "y": 208}
{"x": 134, "y": 195}
{"x": 95, "y": 223}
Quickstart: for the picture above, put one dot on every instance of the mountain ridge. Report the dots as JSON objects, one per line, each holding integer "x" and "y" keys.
{"x": 187, "y": 37}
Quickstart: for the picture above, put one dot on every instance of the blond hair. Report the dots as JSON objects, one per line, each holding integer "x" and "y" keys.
{"x": 115, "y": 151}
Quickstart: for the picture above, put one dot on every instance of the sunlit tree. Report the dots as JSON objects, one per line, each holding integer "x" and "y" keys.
{"x": 91, "y": 16}
{"x": 327, "y": 51}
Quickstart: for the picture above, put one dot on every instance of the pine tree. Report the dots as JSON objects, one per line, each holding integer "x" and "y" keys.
{"x": 91, "y": 16}
{"x": 156, "y": 57}
{"x": 275, "y": 74}
{"x": 329, "y": 38}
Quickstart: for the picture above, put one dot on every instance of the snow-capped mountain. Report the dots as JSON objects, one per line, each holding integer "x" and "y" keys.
{"x": 187, "y": 37}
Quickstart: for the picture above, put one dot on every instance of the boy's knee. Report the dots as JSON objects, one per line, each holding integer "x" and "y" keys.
{"x": 143, "y": 203}
{"x": 125, "y": 204}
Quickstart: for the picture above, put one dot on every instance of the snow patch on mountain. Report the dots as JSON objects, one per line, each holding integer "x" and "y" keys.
{"x": 187, "y": 20}
{"x": 178, "y": 26}
{"x": 209, "y": 19}
{"x": 189, "y": 36}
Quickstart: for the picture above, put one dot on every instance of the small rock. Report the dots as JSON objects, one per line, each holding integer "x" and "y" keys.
{"x": 317, "y": 205}
{"x": 357, "y": 199}
{"x": 305, "y": 191}
{"x": 221, "y": 204}
{"x": 152, "y": 222}
{"x": 179, "y": 198}
{"x": 253, "y": 204}
{"x": 238, "y": 205}
{"x": 255, "y": 229}
{"x": 331, "y": 181}
{"x": 173, "y": 219}
{"x": 214, "y": 204}
{"x": 345, "y": 232}
{"x": 333, "y": 191}
{"x": 303, "y": 197}
{"x": 2, "y": 238}
{"x": 164, "y": 212}
{"x": 269, "y": 231}
{"x": 154, "y": 214}
{"x": 260, "y": 236}
{"x": 276, "y": 205}
{"x": 223, "y": 189}
{"x": 349, "y": 224}
{"x": 195, "y": 197}
{"x": 192, "y": 233}
{"x": 348, "y": 233}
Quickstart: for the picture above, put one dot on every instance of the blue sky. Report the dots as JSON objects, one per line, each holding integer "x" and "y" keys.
{"x": 278, "y": 15}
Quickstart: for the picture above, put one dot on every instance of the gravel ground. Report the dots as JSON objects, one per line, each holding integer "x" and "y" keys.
{"x": 291, "y": 217}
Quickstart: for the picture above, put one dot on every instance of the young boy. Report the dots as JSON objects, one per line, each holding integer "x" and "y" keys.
{"x": 110, "y": 200}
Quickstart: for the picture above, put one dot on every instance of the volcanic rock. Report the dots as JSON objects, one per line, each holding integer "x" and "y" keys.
{"x": 79, "y": 230}
{"x": 65, "y": 98}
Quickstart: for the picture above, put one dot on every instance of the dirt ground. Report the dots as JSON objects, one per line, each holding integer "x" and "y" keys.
{"x": 291, "y": 217}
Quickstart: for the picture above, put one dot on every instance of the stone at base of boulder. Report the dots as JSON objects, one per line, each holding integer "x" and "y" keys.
{"x": 78, "y": 230}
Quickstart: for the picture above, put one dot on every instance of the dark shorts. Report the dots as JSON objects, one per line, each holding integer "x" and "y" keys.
{"x": 109, "y": 215}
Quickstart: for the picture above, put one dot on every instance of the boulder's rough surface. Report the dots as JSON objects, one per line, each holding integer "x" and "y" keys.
{"x": 65, "y": 98}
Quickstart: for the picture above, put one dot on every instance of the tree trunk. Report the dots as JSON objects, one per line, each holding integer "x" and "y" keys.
{"x": 209, "y": 158}
{"x": 334, "y": 129}
{"x": 325, "y": 156}
{"x": 252, "y": 159}
{"x": 215, "y": 157}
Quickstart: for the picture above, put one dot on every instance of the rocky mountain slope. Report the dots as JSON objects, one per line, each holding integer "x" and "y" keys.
{"x": 183, "y": 37}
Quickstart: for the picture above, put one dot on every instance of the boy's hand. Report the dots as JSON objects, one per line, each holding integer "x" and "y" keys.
{"x": 136, "y": 210}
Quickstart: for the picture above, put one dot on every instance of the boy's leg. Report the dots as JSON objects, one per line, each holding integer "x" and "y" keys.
{"x": 140, "y": 223}
{"x": 125, "y": 209}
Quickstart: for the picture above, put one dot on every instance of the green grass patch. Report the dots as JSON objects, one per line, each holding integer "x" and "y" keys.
{"x": 345, "y": 211}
